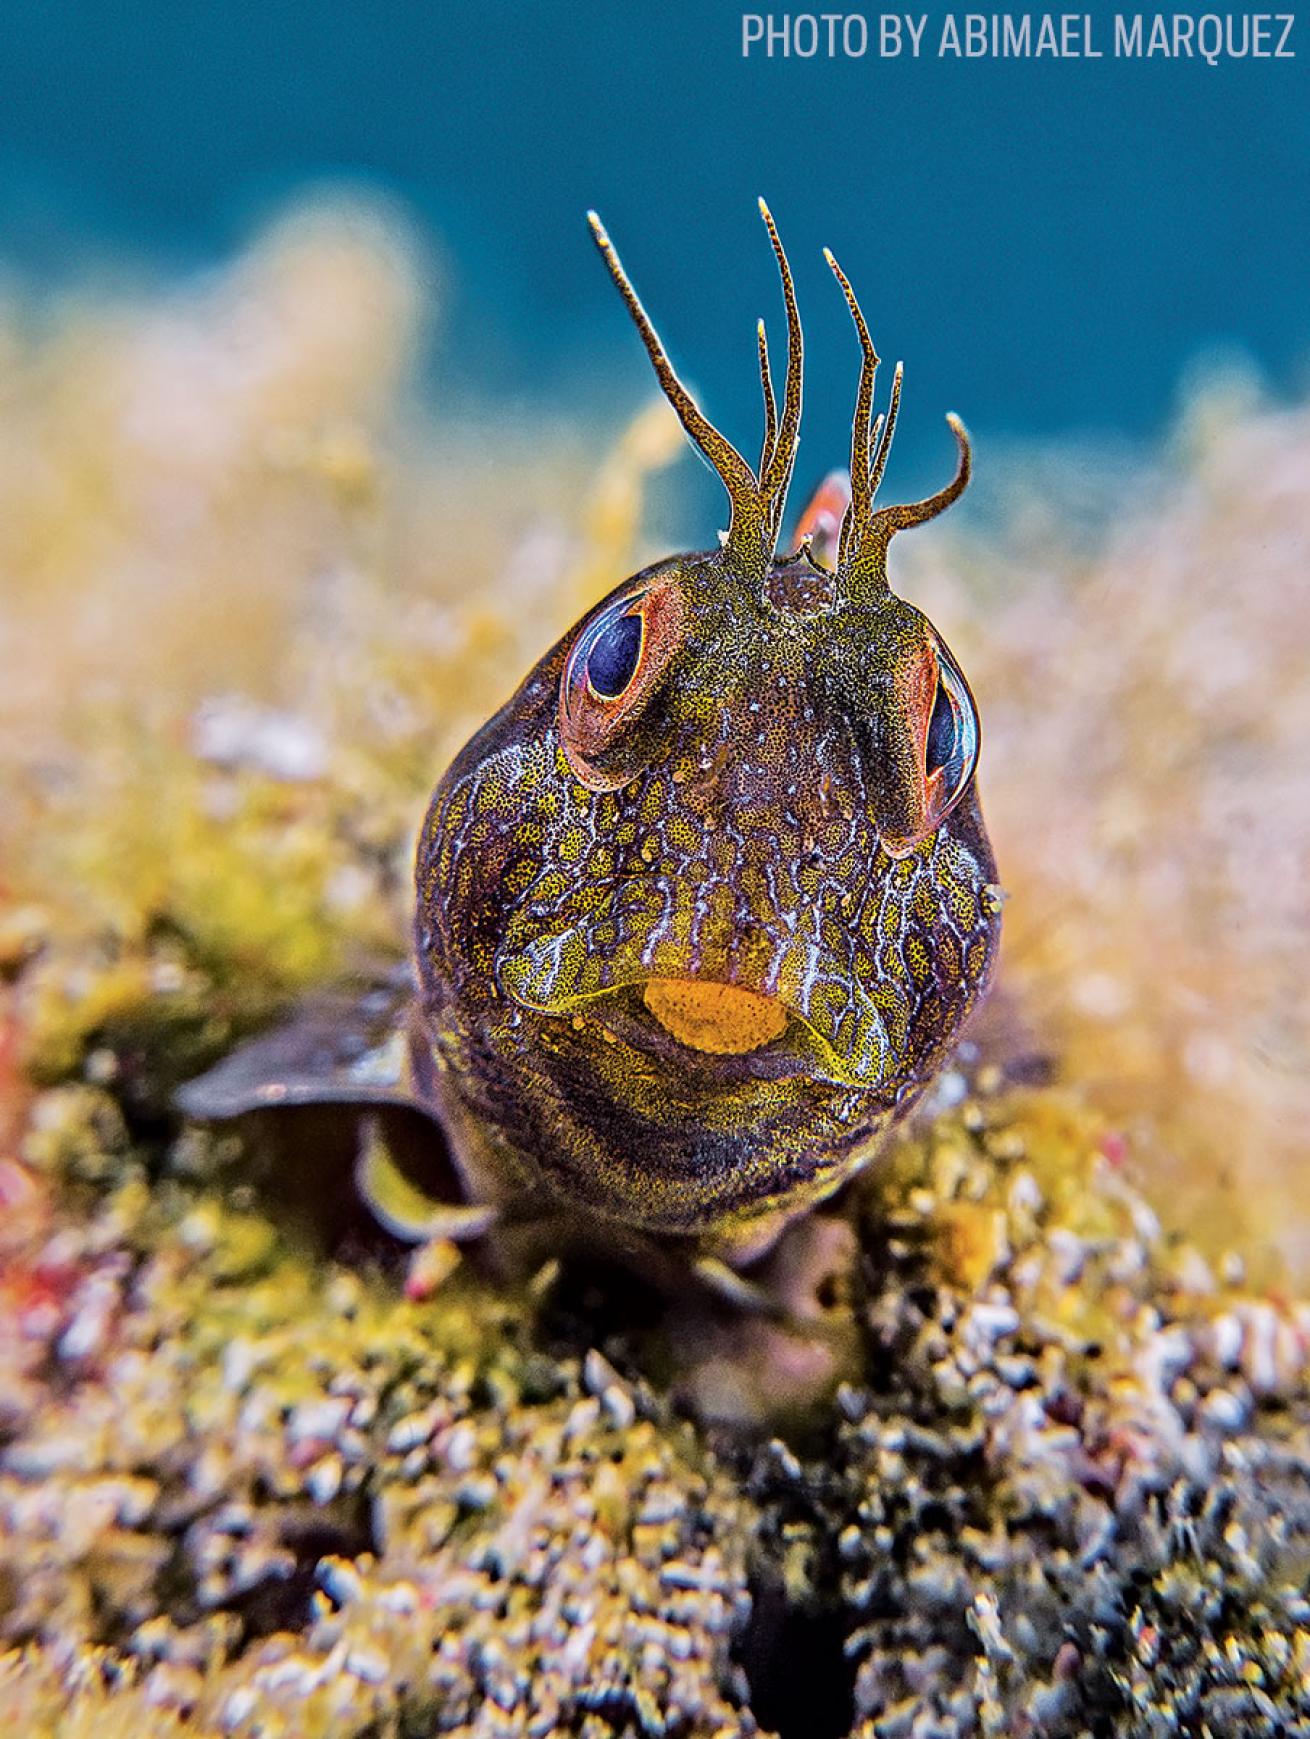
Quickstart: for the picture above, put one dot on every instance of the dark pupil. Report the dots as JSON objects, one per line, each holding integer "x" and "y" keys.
{"x": 941, "y": 731}
{"x": 613, "y": 658}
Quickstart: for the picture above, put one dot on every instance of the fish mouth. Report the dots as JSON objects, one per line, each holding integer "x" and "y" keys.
{"x": 722, "y": 997}
{"x": 712, "y": 1031}
{"x": 713, "y": 1025}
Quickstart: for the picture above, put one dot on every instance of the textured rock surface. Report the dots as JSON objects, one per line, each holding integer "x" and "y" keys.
{"x": 256, "y": 1490}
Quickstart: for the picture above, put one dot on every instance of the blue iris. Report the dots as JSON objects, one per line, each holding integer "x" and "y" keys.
{"x": 613, "y": 657}
{"x": 952, "y": 747}
{"x": 943, "y": 732}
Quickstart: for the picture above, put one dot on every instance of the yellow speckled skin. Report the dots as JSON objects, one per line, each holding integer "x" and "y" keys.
{"x": 763, "y": 818}
{"x": 745, "y": 848}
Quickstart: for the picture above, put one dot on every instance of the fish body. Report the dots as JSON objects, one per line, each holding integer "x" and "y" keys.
{"x": 702, "y": 909}
{"x": 743, "y": 850}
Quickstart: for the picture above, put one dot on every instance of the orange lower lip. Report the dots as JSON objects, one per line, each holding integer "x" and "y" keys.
{"x": 719, "y": 1018}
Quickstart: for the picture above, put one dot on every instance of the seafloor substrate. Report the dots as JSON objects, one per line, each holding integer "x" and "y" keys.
{"x": 251, "y": 1488}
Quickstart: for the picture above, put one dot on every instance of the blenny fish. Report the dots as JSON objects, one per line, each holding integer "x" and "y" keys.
{"x": 702, "y": 909}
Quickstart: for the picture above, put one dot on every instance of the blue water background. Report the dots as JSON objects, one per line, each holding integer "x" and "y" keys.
{"x": 1050, "y": 245}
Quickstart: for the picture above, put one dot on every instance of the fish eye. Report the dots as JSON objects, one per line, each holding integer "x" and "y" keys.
{"x": 943, "y": 731}
{"x": 614, "y": 655}
{"x": 951, "y": 741}
{"x": 614, "y": 667}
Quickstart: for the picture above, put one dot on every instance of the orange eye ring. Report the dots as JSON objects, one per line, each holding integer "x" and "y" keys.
{"x": 950, "y": 738}
{"x": 939, "y": 722}
{"x": 612, "y": 669}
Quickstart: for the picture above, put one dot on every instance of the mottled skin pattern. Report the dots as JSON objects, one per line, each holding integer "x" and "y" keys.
{"x": 745, "y": 848}
{"x": 758, "y": 814}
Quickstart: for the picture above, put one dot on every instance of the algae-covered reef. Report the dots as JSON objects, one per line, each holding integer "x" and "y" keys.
{"x": 246, "y": 1490}
{"x": 1040, "y": 1463}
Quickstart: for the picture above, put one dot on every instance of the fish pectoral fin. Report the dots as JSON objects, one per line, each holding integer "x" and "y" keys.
{"x": 347, "y": 1048}
{"x": 401, "y": 1207}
